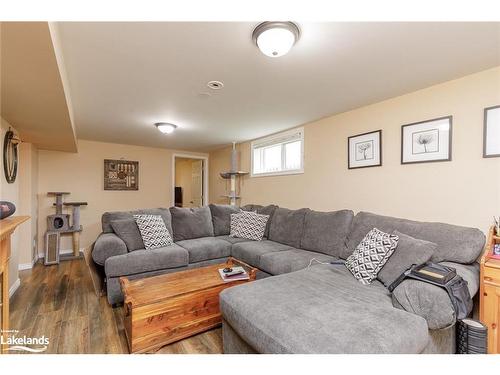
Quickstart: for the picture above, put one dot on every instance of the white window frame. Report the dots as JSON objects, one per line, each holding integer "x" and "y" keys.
{"x": 291, "y": 135}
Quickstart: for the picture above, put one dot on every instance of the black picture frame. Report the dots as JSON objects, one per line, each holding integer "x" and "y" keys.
{"x": 359, "y": 135}
{"x": 450, "y": 133}
{"x": 485, "y": 131}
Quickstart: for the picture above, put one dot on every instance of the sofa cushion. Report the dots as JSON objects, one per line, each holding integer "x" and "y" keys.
{"x": 251, "y": 251}
{"x": 221, "y": 217}
{"x": 287, "y": 226}
{"x": 108, "y": 217}
{"x": 107, "y": 245}
{"x": 128, "y": 231}
{"x": 408, "y": 252}
{"x": 322, "y": 309}
{"x": 371, "y": 254}
{"x": 455, "y": 243}
{"x": 205, "y": 248}
{"x": 140, "y": 261}
{"x": 232, "y": 240}
{"x": 189, "y": 223}
{"x": 153, "y": 230}
{"x": 286, "y": 261}
{"x": 326, "y": 232}
{"x": 263, "y": 210}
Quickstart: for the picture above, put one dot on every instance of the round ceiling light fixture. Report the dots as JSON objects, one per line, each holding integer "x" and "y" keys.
{"x": 165, "y": 127}
{"x": 274, "y": 38}
{"x": 215, "y": 85}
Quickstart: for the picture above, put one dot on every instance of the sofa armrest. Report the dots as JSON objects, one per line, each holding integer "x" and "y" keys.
{"x": 432, "y": 302}
{"x": 108, "y": 245}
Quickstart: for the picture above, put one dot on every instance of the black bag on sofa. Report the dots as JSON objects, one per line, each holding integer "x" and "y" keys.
{"x": 444, "y": 277}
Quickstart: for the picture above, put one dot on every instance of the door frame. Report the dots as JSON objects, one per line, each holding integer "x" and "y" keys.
{"x": 205, "y": 175}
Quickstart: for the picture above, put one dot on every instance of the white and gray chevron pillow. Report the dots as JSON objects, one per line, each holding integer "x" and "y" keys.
{"x": 249, "y": 225}
{"x": 153, "y": 230}
{"x": 235, "y": 219}
{"x": 371, "y": 254}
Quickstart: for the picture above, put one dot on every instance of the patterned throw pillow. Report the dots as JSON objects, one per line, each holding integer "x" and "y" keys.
{"x": 371, "y": 254}
{"x": 153, "y": 230}
{"x": 235, "y": 219}
{"x": 249, "y": 225}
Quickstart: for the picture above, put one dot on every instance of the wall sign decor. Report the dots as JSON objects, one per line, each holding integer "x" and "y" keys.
{"x": 364, "y": 150}
{"x": 121, "y": 175}
{"x": 10, "y": 156}
{"x": 491, "y": 132}
{"x": 426, "y": 141}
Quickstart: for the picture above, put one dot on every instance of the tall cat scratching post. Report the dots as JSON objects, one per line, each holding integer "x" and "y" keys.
{"x": 232, "y": 176}
{"x": 76, "y": 227}
{"x": 58, "y": 225}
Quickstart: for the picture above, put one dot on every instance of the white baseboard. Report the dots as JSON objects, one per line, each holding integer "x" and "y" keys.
{"x": 28, "y": 266}
{"x": 61, "y": 252}
{"x": 14, "y": 287}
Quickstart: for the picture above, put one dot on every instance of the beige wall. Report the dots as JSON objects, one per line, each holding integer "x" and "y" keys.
{"x": 81, "y": 174}
{"x": 28, "y": 203}
{"x": 465, "y": 191}
{"x": 10, "y": 192}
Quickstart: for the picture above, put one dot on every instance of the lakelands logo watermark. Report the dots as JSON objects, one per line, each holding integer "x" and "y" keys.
{"x": 23, "y": 343}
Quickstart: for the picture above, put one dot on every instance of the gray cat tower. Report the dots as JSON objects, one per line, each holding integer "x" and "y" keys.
{"x": 61, "y": 224}
{"x": 233, "y": 176}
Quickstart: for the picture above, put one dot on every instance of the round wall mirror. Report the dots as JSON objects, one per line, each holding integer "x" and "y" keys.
{"x": 10, "y": 156}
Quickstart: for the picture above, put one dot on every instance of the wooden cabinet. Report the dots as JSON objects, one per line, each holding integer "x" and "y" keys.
{"x": 490, "y": 315}
{"x": 489, "y": 308}
{"x": 7, "y": 227}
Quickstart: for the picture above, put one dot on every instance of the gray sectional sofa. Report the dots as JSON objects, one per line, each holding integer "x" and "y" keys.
{"x": 301, "y": 309}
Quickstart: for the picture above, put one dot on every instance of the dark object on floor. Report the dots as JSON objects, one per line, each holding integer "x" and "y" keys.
{"x": 6, "y": 209}
{"x": 472, "y": 337}
{"x": 178, "y": 196}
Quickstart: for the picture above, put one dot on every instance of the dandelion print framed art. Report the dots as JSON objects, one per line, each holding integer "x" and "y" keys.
{"x": 364, "y": 150}
{"x": 426, "y": 141}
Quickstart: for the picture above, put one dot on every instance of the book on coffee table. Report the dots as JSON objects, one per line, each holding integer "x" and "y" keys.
{"x": 238, "y": 273}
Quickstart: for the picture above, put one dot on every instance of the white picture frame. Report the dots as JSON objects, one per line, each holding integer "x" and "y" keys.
{"x": 491, "y": 132}
{"x": 364, "y": 150}
{"x": 426, "y": 141}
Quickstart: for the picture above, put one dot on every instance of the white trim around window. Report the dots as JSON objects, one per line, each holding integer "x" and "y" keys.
{"x": 279, "y": 154}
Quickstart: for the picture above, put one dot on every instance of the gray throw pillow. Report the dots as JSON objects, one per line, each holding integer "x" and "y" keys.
{"x": 189, "y": 223}
{"x": 221, "y": 217}
{"x": 409, "y": 251}
{"x": 128, "y": 231}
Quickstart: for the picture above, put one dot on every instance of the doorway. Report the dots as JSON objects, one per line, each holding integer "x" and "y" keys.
{"x": 190, "y": 180}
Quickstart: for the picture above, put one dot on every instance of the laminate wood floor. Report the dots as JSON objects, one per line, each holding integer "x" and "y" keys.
{"x": 59, "y": 302}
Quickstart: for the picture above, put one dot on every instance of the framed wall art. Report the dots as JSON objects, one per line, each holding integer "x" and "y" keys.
{"x": 491, "y": 132}
{"x": 364, "y": 150}
{"x": 121, "y": 175}
{"x": 426, "y": 141}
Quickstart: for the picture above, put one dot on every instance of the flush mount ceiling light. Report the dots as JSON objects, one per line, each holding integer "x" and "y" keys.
{"x": 165, "y": 127}
{"x": 274, "y": 38}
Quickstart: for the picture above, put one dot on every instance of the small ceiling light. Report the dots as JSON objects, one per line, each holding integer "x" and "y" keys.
{"x": 275, "y": 39}
{"x": 215, "y": 85}
{"x": 165, "y": 127}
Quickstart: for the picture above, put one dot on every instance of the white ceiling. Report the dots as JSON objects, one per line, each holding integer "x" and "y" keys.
{"x": 123, "y": 77}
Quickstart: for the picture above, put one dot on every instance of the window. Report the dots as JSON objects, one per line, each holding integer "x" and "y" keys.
{"x": 279, "y": 154}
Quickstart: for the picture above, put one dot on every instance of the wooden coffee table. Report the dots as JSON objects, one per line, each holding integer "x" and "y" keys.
{"x": 162, "y": 309}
